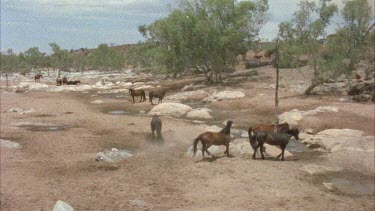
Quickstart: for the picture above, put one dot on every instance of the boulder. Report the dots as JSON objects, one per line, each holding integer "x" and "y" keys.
{"x": 294, "y": 116}
{"x": 333, "y": 140}
{"x": 190, "y": 95}
{"x": 112, "y": 156}
{"x": 170, "y": 109}
{"x": 318, "y": 169}
{"x": 224, "y": 95}
{"x": 62, "y": 206}
{"x": 9, "y": 144}
{"x": 199, "y": 113}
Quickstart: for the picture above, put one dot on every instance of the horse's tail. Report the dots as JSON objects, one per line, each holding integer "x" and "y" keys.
{"x": 196, "y": 143}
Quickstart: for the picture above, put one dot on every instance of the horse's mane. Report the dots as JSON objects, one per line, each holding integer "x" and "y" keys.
{"x": 226, "y": 129}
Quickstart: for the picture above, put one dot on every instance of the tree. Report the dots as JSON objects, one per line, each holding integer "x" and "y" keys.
{"x": 304, "y": 32}
{"x": 206, "y": 34}
{"x": 33, "y": 57}
{"x": 9, "y": 62}
{"x": 105, "y": 57}
{"x": 60, "y": 58}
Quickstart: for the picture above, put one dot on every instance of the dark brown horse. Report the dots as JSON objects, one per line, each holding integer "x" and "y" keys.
{"x": 267, "y": 55}
{"x": 156, "y": 124}
{"x": 281, "y": 128}
{"x": 139, "y": 92}
{"x": 156, "y": 93}
{"x": 65, "y": 81}
{"x": 38, "y": 77}
{"x": 58, "y": 81}
{"x": 73, "y": 82}
{"x": 258, "y": 57}
{"x": 277, "y": 139}
{"x": 210, "y": 138}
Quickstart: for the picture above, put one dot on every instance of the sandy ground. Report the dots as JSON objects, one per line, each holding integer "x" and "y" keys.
{"x": 60, "y": 165}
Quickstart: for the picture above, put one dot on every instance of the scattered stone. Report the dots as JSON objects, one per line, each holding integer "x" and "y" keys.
{"x": 15, "y": 110}
{"x": 9, "y": 144}
{"x": 171, "y": 109}
{"x": 317, "y": 169}
{"x": 329, "y": 186}
{"x": 97, "y": 102}
{"x": 190, "y": 95}
{"x": 113, "y": 156}
{"x": 198, "y": 122}
{"x": 62, "y": 206}
{"x": 138, "y": 202}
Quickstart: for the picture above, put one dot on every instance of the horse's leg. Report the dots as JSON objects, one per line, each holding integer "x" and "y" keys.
{"x": 255, "y": 151}
{"x": 140, "y": 99}
{"x": 206, "y": 149}
{"x": 227, "y": 150}
{"x": 133, "y": 98}
{"x": 282, "y": 152}
{"x": 203, "y": 147}
{"x": 261, "y": 151}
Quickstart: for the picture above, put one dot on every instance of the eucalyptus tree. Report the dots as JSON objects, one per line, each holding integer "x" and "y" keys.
{"x": 206, "y": 34}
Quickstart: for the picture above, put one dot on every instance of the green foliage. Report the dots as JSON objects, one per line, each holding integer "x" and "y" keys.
{"x": 9, "y": 62}
{"x": 105, "y": 58}
{"x": 205, "y": 34}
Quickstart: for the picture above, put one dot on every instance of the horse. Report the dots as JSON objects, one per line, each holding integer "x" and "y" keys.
{"x": 58, "y": 81}
{"x": 73, "y": 82}
{"x": 267, "y": 55}
{"x": 277, "y": 139}
{"x": 208, "y": 139}
{"x": 281, "y": 128}
{"x": 139, "y": 92}
{"x": 258, "y": 57}
{"x": 156, "y": 93}
{"x": 156, "y": 124}
{"x": 38, "y": 77}
{"x": 65, "y": 81}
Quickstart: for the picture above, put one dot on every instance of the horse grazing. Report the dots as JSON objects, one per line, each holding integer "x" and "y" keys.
{"x": 208, "y": 139}
{"x": 156, "y": 93}
{"x": 65, "y": 81}
{"x": 58, "y": 81}
{"x": 156, "y": 124}
{"x": 139, "y": 92}
{"x": 277, "y": 139}
{"x": 73, "y": 82}
{"x": 281, "y": 128}
{"x": 38, "y": 77}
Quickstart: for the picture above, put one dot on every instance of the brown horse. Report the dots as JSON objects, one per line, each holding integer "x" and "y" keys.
{"x": 258, "y": 57}
{"x": 210, "y": 138}
{"x": 281, "y": 128}
{"x": 58, "y": 81}
{"x": 65, "y": 81}
{"x": 156, "y": 124}
{"x": 156, "y": 93}
{"x": 38, "y": 77}
{"x": 139, "y": 92}
{"x": 267, "y": 55}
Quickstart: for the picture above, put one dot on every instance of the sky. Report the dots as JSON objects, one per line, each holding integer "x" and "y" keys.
{"x": 74, "y": 24}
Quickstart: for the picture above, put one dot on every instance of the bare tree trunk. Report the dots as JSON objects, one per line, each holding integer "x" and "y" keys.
{"x": 58, "y": 73}
{"x": 6, "y": 78}
{"x": 314, "y": 83}
{"x": 277, "y": 88}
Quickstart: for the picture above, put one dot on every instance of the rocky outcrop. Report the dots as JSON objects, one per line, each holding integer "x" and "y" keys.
{"x": 294, "y": 116}
{"x": 113, "y": 155}
{"x": 62, "y": 206}
{"x": 200, "y": 113}
{"x": 170, "y": 109}
{"x": 224, "y": 95}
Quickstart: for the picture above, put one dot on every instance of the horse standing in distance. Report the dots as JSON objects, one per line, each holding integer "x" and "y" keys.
{"x": 59, "y": 81}
{"x": 139, "y": 92}
{"x": 156, "y": 93}
{"x": 156, "y": 124}
{"x": 65, "y": 81}
{"x": 38, "y": 77}
{"x": 73, "y": 82}
{"x": 281, "y": 128}
{"x": 210, "y": 138}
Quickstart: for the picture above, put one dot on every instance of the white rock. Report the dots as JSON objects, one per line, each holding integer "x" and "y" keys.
{"x": 62, "y": 206}
{"x": 97, "y": 102}
{"x": 138, "y": 202}
{"x": 170, "y": 109}
{"x": 199, "y": 114}
{"x": 15, "y": 110}
{"x": 9, "y": 144}
{"x": 191, "y": 95}
{"x": 274, "y": 151}
{"x": 113, "y": 156}
{"x": 317, "y": 169}
{"x": 212, "y": 128}
{"x": 224, "y": 95}
{"x": 329, "y": 186}
{"x": 190, "y": 151}
{"x": 294, "y": 116}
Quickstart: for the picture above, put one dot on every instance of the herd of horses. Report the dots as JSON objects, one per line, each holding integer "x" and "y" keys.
{"x": 258, "y": 136}
{"x": 64, "y": 81}
{"x": 151, "y": 94}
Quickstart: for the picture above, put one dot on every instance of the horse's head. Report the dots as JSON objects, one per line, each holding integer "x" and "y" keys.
{"x": 294, "y": 132}
{"x": 229, "y": 123}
